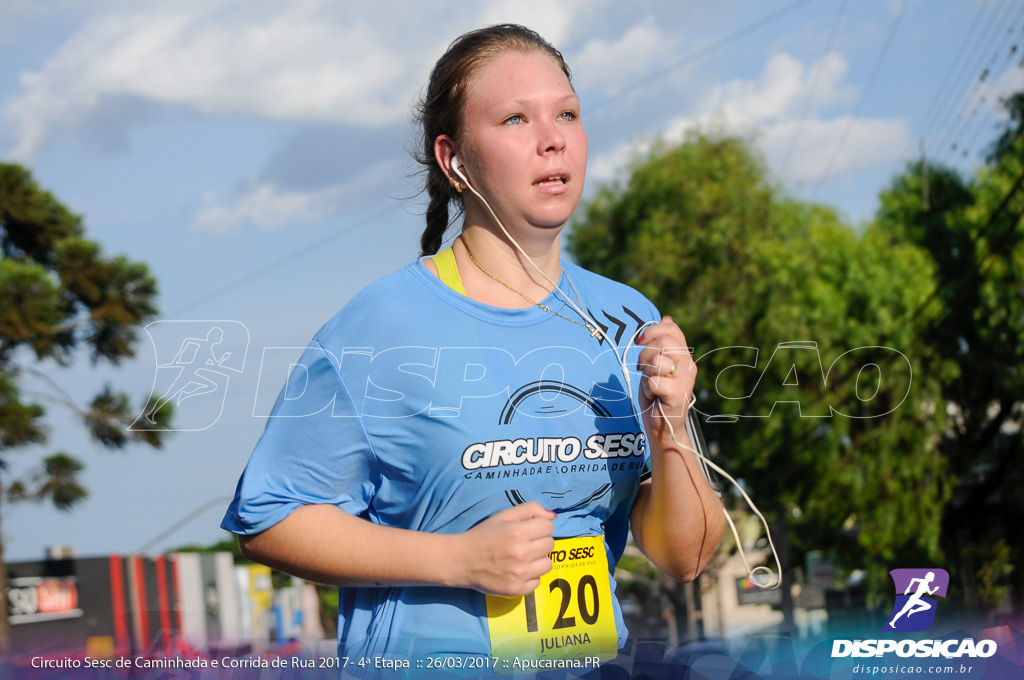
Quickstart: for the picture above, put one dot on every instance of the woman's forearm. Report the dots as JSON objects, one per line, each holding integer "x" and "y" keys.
{"x": 505, "y": 554}
{"x": 677, "y": 519}
{"x": 325, "y": 544}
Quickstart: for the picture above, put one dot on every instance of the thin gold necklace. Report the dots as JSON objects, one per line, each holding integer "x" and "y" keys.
{"x": 593, "y": 331}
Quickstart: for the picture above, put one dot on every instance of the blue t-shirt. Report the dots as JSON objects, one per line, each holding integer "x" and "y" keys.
{"x": 420, "y": 408}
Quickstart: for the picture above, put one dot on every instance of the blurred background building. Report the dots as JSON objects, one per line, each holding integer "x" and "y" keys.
{"x": 157, "y": 605}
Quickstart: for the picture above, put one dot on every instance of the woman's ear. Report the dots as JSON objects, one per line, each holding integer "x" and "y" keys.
{"x": 444, "y": 153}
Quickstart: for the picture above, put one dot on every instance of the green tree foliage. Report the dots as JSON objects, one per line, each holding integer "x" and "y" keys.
{"x": 842, "y": 453}
{"x": 974, "y": 232}
{"x": 59, "y": 294}
{"x": 229, "y": 545}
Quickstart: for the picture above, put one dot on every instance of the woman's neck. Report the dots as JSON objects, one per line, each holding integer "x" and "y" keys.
{"x": 495, "y": 272}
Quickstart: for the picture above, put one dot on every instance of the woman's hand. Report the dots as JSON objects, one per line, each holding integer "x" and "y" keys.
{"x": 668, "y": 374}
{"x": 677, "y": 518}
{"x": 507, "y": 553}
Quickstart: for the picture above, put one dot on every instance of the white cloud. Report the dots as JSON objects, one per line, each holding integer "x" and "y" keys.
{"x": 607, "y": 166}
{"x": 299, "y": 61}
{"x": 270, "y": 206}
{"x": 868, "y": 143}
{"x": 305, "y": 60}
{"x": 770, "y": 108}
{"x": 264, "y": 205}
{"x": 1002, "y": 86}
{"x": 552, "y": 20}
{"x": 782, "y": 90}
{"x": 636, "y": 52}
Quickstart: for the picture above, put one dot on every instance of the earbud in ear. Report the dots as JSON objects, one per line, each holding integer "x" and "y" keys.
{"x": 456, "y": 165}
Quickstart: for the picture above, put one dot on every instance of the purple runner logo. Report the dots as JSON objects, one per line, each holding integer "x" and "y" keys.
{"x": 915, "y": 592}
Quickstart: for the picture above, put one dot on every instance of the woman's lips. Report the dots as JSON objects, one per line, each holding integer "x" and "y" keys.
{"x": 554, "y": 183}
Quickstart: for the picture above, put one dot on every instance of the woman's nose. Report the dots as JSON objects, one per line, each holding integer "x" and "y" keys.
{"x": 550, "y": 138}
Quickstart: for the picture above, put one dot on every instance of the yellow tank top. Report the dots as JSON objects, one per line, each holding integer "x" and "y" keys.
{"x": 448, "y": 270}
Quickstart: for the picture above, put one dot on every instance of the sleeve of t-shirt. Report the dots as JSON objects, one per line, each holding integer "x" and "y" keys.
{"x": 313, "y": 451}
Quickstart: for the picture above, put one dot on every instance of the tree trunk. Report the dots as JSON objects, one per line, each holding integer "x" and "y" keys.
{"x": 785, "y": 573}
{"x": 677, "y": 607}
{"x": 686, "y": 618}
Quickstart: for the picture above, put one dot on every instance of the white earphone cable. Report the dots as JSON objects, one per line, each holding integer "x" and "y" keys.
{"x": 629, "y": 387}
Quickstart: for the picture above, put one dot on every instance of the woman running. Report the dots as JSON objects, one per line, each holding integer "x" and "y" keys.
{"x": 464, "y": 448}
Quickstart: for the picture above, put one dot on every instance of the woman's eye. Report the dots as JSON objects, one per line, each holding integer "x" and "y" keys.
{"x": 514, "y": 120}
{"x": 568, "y": 115}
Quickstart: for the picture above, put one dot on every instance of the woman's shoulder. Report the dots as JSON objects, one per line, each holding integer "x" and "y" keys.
{"x": 378, "y": 308}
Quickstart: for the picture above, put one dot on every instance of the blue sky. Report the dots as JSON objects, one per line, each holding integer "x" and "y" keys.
{"x": 255, "y": 155}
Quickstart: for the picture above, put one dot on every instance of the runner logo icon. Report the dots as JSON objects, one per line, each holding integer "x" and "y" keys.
{"x": 914, "y": 611}
{"x": 195, "y": 361}
{"x": 916, "y": 590}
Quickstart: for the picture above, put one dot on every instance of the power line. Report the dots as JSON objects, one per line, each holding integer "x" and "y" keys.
{"x": 940, "y": 92}
{"x": 280, "y": 262}
{"x": 970, "y": 143}
{"x": 695, "y": 56}
{"x": 960, "y": 140}
{"x": 650, "y": 78}
{"x": 944, "y": 140}
{"x": 864, "y": 94}
{"x": 183, "y": 521}
{"x": 814, "y": 85}
{"x": 957, "y": 68}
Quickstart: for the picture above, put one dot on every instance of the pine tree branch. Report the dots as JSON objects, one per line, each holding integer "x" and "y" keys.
{"x": 67, "y": 398}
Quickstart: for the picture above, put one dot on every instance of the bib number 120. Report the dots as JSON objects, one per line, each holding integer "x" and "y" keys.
{"x": 568, "y": 616}
{"x": 586, "y": 590}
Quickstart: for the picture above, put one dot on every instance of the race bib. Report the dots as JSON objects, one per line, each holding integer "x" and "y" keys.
{"x": 570, "y": 615}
